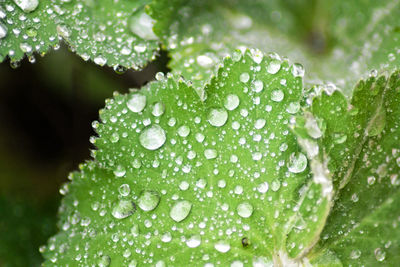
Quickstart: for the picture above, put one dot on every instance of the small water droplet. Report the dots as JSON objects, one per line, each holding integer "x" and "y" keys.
{"x": 371, "y": 180}
{"x": 194, "y": 241}
{"x": 237, "y": 264}
{"x": 339, "y": 138}
{"x": 180, "y": 210}
{"x": 124, "y": 190}
{"x": 183, "y": 131}
{"x": 136, "y": 103}
{"x": 64, "y": 31}
{"x": 231, "y": 102}
{"x": 119, "y": 171}
{"x": 3, "y": 31}
{"x": 274, "y": 66}
{"x": 257, "y": 86}
{"x": 297, "y": 70}
{"x": 293, "y": 107}
{"x": 244, "y": 209}
{"x": 167, "y": 237}
{"x": 148, "y": 200}
{"x": 210, "y": 153}
{"x": 263, "y": 187}
{"x": 222, "y": 246}
{"x": 205, "y": 61}
{"x": 123, "y": 209}
{"x": 152, "y": 137}
{"x": 380, "y": 254}
{"x": 244, "y": 77}
{"x": 277, "y": 95}
{"x": 217, "y": 117}
{"x": 297, "y": 162}
{"x": 100, "y": 60}
{"x": 158, "y": 109}
{"x": 355, "y": 254}
{"x": 275, "y": 185}
{"x": 27, "y": 5}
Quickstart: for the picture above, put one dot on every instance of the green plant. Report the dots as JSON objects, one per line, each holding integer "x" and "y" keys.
{"x": 231, "y": 160}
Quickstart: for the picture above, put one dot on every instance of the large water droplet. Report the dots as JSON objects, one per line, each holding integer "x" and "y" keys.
{"x": 244, "y": 209}
{"x": 222, "y": 246}
{"x": 194, "y": 241}
{"x": 180, "y": 210}
{"x": 136, "y": 102}
{"x": 274, "y": 66}
{"x": 231, "y": 102}
{"x": 297, "y": 162}
{"x": 380, "y": 254}
{"x": 148, "y": 200}
{"x": 210, "y": 153}
{"x": 257, "y": 86}
{"x": 27, "y": 5}
{"x": 141, "y": 24}
{"x": 123, "y": 209}
{"x": 3, "y": 31}
{"x": 217, "y": 117}
{"x": 152, "y": 137}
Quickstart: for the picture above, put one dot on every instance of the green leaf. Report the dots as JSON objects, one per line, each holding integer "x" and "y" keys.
{"x": 337, "y": 41}
{"x": 361, "y": 141}
{"x": 179, "y": 181}
{"x": 24, "y": 32}
{"x": 116, "y": 33}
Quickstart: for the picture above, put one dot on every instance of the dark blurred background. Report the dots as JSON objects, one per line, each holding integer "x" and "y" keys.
{"x": 46, "y": 110}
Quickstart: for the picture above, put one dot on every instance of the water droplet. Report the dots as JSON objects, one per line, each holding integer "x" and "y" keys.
{"x": 124, "y": 190}
{"x": 380, "y": 254}
{"x": 274, "y": 66}
{"x": 141, "y": 24}
{"x": 194, "y": 241}
{"x": 275, "y": 185}
{"x": 152, "y": 137}
{"x": 339, "y": 138}
{"x": 371, "y": 180}
{"x": 355, "y": 254}
{"x": 135, "y": 230}
{"x": 136, "y": 103}
{"x": 231, "y": 102}
{"x": 158, "y": 109}
{"x": 259, "y": 124}
{"x": 3, "y": 31}
{"x": 257, "y": 86}
{"x": 244, "y": 209}
{"x": 183, "y": 131}
{"x": 64, "y": 31}
{"x": 100, "y": 60}
{"x": 293, "y": 107}
{"x": 160, "y": 263}
{"x": 312, "y": 126}
{"x": 297, "y": 70}
{"x": 133, "y": 263}
{"x": 222, "y": 246}
{"x": 297, "y": 162}
{"x": 277, "y": 95}
{"x": 27, "y": 5}
{"x": 104, "y": 261}
{"x": 180, "y": 210}
{"x": 148, "y": 200}
{"x": 210, "y": 153}
{"x": 167, "y": 237}
{"x": 244, "y": 77}
{"x": 119, "y": 171}
{"x": 205, "y": 61}
{"x": 217, "y": 117}
{"x": 237, "y": 264}
{"x": 263, "y": 187}
{"x": 123, "y": 209}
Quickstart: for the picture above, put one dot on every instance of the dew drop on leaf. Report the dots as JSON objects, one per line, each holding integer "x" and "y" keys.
{"x": 277, "y": 95}
{"x": 380, "y": 254}
{"x": 3, "y": 31}
{"x": 263, "y": 187}
{"x": 148, "y": 200}
{"x": 257, "y": 86}
{"x": 222, "y": 246}
{"x": 104, "y": 261}
{"x": 244, "y": 209}
{"x": 119, "y": 171}
{"x": 137, "y": 102}
{"x": 194, "y": 241}
{"x": 123, "y": 209}
{"x": 217, "y": 117}
{"x": 355, "y": 254}
{"x": 27, "y": 5}
{"x": 293, "y": 107}
{"x": 259, "y": 124}
{"x": 158, "y": 109}
{"x": 274, "y": 66}
{"x": 231, "y": 102}
{"x": 339, "y": 138}
{"x": 180, "y": 210}
{"x": 244, "y": 77}
{"x": 210, "y": 153}
{"x": 205, "y": 61}
{"x": 297, "y": 70}
{"x": 152, "y": 137}
{"x": 297, "y": 162}
{"x": 124, "y": 190}
{"x": 183, "y": 131}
